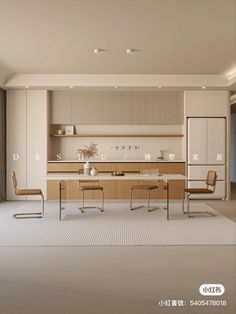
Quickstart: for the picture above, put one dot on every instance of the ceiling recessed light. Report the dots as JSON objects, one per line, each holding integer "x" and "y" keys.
{"x": 130, "y": 51}
{"x": 97, "y": 51}
{"x": 203, "y": 87}
{"x": 115, "y": 86}
{"x": 159, "y": 86}
{"x": 71, "y": 86}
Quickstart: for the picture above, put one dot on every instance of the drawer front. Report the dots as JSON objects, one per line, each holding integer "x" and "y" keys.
{"x": 58, "y": 167}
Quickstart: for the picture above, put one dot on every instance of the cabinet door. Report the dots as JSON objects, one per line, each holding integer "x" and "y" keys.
{"x": 217, "y": 103}
{"x": 75, "y": 192}
{"x": 53, "y": 185}
{"x": 108, "y": 186}
{"x": 197, "y": 141}
{"x": 36, "y": 139}
{"x": 60, "y": 107}
{"x": 195, "y": 103}
{"x": 16, "y": 140}
{"x": 176, "y": 187}
{"x": 216, "y": 137}
{"x": 82, "y": 108}
{"x": 123, "y": 187}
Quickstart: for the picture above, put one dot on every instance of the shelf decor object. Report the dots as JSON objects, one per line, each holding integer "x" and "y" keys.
{"x": 69, "y": 130}
{"x": 87, "y": 152}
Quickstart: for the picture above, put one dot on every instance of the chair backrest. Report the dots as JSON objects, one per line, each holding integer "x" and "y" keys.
{"x": 211, "y": 180}
{"x": 151, "y": 171}
{"x": 14, "y": 181}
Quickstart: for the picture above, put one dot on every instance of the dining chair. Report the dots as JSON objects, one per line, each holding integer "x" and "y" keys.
{"x": 146, "y": 187}
{"x": 27, "y": 192}
{"x": 209, "y": 189}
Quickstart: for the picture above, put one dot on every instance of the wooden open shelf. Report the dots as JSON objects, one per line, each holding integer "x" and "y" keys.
{"x": 118, "y": 135}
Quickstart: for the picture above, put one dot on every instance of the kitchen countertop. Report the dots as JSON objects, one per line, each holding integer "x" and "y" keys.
{"x": 115, "y": 160}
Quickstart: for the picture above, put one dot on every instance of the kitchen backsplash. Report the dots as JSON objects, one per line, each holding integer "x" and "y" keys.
{"x": 118, "y": 147}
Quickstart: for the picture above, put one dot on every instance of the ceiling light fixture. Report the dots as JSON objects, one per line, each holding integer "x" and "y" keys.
{"x": 26, "y": 87}
{"x": 115, "y": 86}
{"x": 130, "y": 51}
{"x": 203, "y": 87}
{"x": 97, "y": 51}
{"x": 232, "y": 76}
{"x": 71, "y": 86}
{"x": 159, "y": 86}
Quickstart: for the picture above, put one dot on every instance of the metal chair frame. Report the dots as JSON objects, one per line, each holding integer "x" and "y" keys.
{"x": 148, "y": 192}
{"x": 81, "y": 182}
{"x": 210, "y": 187}
{"x": 17, "y": 192}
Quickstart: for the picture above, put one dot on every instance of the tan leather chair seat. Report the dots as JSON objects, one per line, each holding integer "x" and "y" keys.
{"x": 29, "y": 192}
{"x": 197, "y": 190}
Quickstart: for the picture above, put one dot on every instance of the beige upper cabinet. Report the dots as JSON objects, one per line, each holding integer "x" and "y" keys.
{"x": 60, "y": 107}
{"x": 117, "y": 107}
{"x": 82, "y": 107}
{"x": 207, "y": 103}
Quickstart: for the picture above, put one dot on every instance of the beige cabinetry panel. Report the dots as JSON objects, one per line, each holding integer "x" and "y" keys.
{"x": 26, "y": 139}
{"x": 16, "y": 140}
{"x": 60, "y": 107}
{"x": 207, "y": 103}
{"x": 116, "y": 189}
{"x": 82, "y": 107}
{"x": 37, "y": 109}
{"x": 116, "y": 107}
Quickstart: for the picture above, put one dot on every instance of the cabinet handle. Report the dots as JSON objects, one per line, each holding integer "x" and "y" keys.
{"x": 37, "y": 157}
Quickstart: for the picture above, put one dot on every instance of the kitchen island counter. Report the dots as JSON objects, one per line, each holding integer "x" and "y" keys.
{"x": 116, "y": 161}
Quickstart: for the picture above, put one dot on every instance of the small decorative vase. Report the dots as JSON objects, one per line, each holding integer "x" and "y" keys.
{"x": 87, "y": 168}
{"x": 93, "y": 172}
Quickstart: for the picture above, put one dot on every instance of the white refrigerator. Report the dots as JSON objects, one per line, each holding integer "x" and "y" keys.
{"x": 206, "y": 150}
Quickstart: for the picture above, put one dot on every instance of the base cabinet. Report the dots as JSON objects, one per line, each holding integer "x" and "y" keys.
{"x": 115, "y": 189}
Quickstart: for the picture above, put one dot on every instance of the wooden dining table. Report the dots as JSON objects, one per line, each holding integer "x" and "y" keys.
{"x": 61, "y": 177}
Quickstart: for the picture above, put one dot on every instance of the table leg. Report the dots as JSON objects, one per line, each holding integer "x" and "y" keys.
{"x": 60, "y": 185}
{"x": 168, "y": 202}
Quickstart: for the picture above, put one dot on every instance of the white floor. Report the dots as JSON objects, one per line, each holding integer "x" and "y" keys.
{"x": 117, "y": 280}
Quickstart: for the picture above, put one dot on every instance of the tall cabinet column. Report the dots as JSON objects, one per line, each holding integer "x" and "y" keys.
{"x": 16, "y": 140}
{"x": 36, "y": 140}
{"x": 27, "y": 120}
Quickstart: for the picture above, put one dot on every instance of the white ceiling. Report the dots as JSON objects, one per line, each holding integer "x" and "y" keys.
{"x": 171, "y": 36}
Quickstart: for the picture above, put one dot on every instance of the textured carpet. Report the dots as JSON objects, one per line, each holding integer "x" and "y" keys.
{"x": 116, "y": 226}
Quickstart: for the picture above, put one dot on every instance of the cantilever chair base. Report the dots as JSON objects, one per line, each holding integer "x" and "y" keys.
{"x": 85, "y": 207}
{"x": 142, "y": 206}
{"x": 28, "y": 215}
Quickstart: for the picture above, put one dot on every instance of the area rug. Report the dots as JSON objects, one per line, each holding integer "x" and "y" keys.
{"x": 116, "y": 226}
